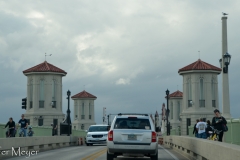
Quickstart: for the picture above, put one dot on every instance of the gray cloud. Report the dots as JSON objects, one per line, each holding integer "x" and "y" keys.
{"x": 125, "y": 53}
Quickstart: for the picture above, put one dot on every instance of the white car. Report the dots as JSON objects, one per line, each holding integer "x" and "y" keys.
{"x": 97, "y": 134}
{"x": 132, "y": 135}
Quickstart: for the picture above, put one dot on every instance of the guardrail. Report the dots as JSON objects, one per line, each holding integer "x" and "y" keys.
{"x": 42, "y": 131}
{"x": 30, "y": 146}
{"x": 202, "y": 149}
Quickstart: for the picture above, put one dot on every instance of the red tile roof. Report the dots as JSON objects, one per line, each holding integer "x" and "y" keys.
{"x": 175, "y": 94}
{"x": 44, "y": 67}
{"x": 199, "y": 65}
{"x": 83, "y": 94}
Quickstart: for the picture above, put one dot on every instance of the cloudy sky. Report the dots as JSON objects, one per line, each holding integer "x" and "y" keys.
{"x": 127, "y": 53}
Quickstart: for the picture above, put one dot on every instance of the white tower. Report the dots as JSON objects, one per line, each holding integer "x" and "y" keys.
{"x": 44, "y": 94}
{"x": 163, "y": 125}
{"x": 83, "y": 110}
{"x": 200, "y": 93}
{"x": 175, "y": 105}
{"x": 157, "y": 123}
{"x": 225, "y": 82}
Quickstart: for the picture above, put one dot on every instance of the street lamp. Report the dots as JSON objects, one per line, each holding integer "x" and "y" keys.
{"x": 103, "y": 119}
{"x": 167, "y": 114}
{"x": 225, "y": 63}
{"x": 108, "y": 119}
{"x": 68, "y": 112}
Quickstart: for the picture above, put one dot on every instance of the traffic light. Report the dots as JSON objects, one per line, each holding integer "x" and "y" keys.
{"x": 24, "y": 103}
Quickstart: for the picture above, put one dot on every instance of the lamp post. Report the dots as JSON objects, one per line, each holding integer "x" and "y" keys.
{"x": 167, "y": 114}
{"x": 103, "y": 119}
{"x": 108, "y": 119}
{"x": 68, "y": 112}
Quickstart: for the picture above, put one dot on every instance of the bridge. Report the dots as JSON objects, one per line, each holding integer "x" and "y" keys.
{"x": 174, "y": 147}
{"x": 69, "y": 147}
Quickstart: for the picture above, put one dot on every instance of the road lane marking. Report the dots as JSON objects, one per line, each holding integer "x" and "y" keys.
{"x": 95, "y": 155}
{"x": 99, "y": 154}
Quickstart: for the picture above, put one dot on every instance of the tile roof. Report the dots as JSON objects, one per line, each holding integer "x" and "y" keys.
{"x": 83, "y": 94}
{"x": 199, "y": 65}
{"x": 175, "y": 94}
{"x": 44, "y": 67}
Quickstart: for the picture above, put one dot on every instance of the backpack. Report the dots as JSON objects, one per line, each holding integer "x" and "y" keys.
{"x": 224, "y": 128}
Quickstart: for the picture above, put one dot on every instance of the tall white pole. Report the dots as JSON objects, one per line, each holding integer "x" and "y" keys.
{"x": 225, "y": 81}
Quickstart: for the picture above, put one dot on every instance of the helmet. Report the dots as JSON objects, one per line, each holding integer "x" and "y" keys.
{"x": 30, "y": 127}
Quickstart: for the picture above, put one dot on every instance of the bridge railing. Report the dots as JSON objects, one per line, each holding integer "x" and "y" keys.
{"x": 231, "y": 136}
{"x": 196, "y": 148}
{"x": 10, "y": 147}
{"x": 42, "y": 131}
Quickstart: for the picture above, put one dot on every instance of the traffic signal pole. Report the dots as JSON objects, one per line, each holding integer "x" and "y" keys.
{"x": 24, "y": 103}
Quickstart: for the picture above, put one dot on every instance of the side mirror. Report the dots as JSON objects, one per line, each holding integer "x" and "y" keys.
{"x": 86, "y": 130}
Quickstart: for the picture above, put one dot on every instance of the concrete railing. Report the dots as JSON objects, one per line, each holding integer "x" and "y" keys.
{"x": 202, "y": 149}
{"x": 42, "y": 131}
{"x": 31, "y": 146}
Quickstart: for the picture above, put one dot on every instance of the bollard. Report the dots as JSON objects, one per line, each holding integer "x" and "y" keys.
{"x": 80, "y": 141}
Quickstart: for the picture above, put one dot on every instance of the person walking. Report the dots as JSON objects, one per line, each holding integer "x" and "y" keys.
{"x": 218, "y": 121}
{"x": 54, "y": 129}
{"x": 11, "y": 128}
{"x": 201, "y": 127}
{"x": 23, "y": 128}
{"x": 195, "y": 129}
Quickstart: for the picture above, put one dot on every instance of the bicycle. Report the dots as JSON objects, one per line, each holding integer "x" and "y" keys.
{"x": 21, "y": 132}
{"x": 214, "y": 135}
{"x": 10, "y": 133}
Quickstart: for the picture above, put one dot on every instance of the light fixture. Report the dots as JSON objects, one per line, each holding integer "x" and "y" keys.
{"x": 224, "y": 62}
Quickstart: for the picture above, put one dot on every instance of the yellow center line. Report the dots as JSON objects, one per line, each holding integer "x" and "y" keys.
{"x": 95, "y": 155}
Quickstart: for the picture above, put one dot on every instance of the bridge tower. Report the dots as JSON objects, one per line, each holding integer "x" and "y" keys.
{"x": 175, "y": 105}
{"x": 200, "y": 93}
{"x": 44, "y": 94}
{"x": 83, "y": 110}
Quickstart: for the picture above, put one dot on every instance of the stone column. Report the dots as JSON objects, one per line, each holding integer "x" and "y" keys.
{"x": 225, "y": 81}
{"x": 175, "y": 111}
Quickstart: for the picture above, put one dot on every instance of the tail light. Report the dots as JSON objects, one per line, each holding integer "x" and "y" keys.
{"x": 154, "y": 137}
{"x": 110, "y": 135}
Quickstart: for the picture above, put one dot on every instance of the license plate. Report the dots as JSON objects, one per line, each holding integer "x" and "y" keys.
{"x": 132, "y": 137}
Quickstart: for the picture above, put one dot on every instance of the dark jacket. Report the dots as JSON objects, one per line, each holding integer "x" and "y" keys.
{"x": 217, "y": 122}
{"x": 10, "y": 125}
{"x": 195, "y": 129}
{"x": 208, "y": 129}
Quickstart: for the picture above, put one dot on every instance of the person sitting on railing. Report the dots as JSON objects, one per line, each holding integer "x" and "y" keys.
{"x": 201, "y": 127}
{"x": 30, "y": 132}
{"x": 11, "y": 128}
{"x": 208, "y": 128}
{"x": 195, "y": 131}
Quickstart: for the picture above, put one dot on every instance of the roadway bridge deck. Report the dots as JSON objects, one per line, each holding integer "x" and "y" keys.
{"x": 174, "y": 148}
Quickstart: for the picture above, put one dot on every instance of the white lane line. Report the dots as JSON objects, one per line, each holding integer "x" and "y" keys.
{"x": 174, "y": 157}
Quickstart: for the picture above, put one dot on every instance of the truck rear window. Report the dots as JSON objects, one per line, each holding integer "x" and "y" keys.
{"x": 98, "y": 129}
{"x": 132, "y": 123}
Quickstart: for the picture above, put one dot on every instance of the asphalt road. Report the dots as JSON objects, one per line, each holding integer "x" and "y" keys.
{"x": 95, "y": 152}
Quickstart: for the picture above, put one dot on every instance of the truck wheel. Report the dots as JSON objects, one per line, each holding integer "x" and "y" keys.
{"x": 155, "y": 157}
{"x": 110, "y": 156}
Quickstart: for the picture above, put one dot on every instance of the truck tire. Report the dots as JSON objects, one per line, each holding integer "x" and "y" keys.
{"x": 110, "y": 156}
{"x": 155, "y": 157}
